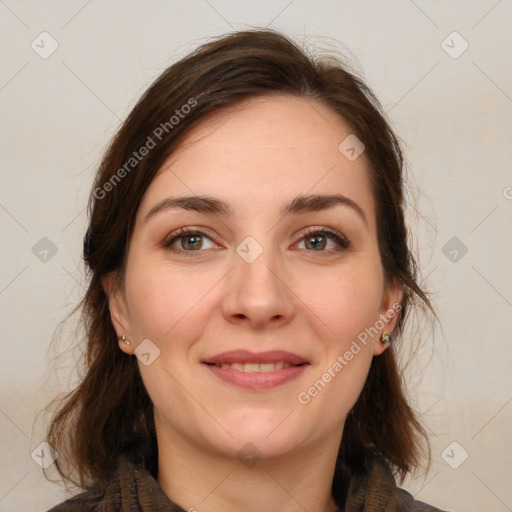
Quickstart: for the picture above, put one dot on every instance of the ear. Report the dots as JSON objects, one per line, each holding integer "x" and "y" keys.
{"x": 118, "y": 311}
{"x": 389, "y": 313}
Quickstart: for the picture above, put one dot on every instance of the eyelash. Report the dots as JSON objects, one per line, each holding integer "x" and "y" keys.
{"x": 341, "y": 240}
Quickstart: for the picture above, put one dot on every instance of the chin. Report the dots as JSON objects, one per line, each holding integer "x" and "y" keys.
{"x": 268, "y": 433}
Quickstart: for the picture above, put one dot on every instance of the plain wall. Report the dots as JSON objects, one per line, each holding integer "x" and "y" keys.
{"x": 453, "y": 113}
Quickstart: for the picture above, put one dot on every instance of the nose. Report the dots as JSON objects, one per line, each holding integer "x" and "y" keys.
{"x": 259, "y": 293}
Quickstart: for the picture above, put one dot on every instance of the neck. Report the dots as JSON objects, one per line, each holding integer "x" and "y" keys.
{"x": 199, "y": 480}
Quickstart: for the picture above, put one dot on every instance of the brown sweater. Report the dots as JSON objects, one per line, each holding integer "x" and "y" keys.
{"x": 133, "y": 489}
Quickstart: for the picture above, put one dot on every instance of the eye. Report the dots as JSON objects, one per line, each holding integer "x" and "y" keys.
{"x": 317, "y": 239}
{"x": 190, "y": 240}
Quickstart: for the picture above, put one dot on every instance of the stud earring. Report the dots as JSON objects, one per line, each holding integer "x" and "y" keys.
{"x": 385, "y": 338}
{"x": 124, "y": 340}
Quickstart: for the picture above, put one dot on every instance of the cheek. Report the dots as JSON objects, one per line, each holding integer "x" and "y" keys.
{"x": 166, "y": 303}
{"x": 344, "y": 313}
{"x": 346, "y": 303}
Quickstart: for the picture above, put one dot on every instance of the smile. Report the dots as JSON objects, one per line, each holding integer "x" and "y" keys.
{"x": 255, "y": 367}
{"x": 257, "y": 376}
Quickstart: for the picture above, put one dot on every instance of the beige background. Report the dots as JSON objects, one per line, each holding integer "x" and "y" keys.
{"x": 453, "y": 114}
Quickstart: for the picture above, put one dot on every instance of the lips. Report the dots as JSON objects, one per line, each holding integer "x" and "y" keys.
{"x": 246, "y": 357}
{"x": 256, "y": 367}
{"x": 261, "y": 371}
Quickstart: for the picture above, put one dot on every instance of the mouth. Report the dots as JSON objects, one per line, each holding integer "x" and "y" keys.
{"x": 255, "y": 367}
{"x": 256, "y": 371}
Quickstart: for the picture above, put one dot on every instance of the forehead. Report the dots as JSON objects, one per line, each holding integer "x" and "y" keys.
{"x": 277, "y": 121}
{"x": 261, "y": 152}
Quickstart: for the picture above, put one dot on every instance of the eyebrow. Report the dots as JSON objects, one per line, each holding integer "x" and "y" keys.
{"x": 300, "y": 204}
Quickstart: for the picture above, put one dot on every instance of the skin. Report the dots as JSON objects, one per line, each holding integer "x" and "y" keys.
{"x": 312, "y": 302}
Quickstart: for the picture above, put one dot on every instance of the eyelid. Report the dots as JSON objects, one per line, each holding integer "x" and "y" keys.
{"x": 182, "y": 232}
{"x": 312, "y": 230}
{"x": 342, "y": 241}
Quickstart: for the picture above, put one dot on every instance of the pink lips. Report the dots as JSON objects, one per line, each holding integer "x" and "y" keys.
{"x": 244, "y": 356}
{"x": 256, "y": 380}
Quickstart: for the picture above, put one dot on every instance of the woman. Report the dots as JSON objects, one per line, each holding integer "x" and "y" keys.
{"x": 249, "y": 278}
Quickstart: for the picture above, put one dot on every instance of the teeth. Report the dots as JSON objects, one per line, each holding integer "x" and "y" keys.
{"x": 255, "y": 367}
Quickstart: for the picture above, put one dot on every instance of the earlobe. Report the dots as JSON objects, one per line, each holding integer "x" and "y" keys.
{"x": 125, "y": 345}
{"x": 383, "y": 343}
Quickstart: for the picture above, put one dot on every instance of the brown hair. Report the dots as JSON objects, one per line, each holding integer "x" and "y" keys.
{"x": 110, "y": 413}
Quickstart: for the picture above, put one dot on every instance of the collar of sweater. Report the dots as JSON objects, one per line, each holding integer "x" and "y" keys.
{"x": 132, "y": 488}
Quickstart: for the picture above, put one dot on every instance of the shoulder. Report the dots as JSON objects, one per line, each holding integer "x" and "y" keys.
{"x": 412, "y": 505}
{"x": 131, "y": 486}
{"x": 83, "y": 502}
{"x": 372, "y": 483}
{"x": 90, "y": 499}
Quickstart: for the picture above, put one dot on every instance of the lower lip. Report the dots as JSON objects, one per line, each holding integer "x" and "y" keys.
{"x": 257, "y": 380}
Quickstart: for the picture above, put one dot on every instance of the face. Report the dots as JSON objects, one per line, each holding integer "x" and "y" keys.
{"x": 292, "y": 283}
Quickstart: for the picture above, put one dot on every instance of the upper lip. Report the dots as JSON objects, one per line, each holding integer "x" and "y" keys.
{"x": 244, "y": 356}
